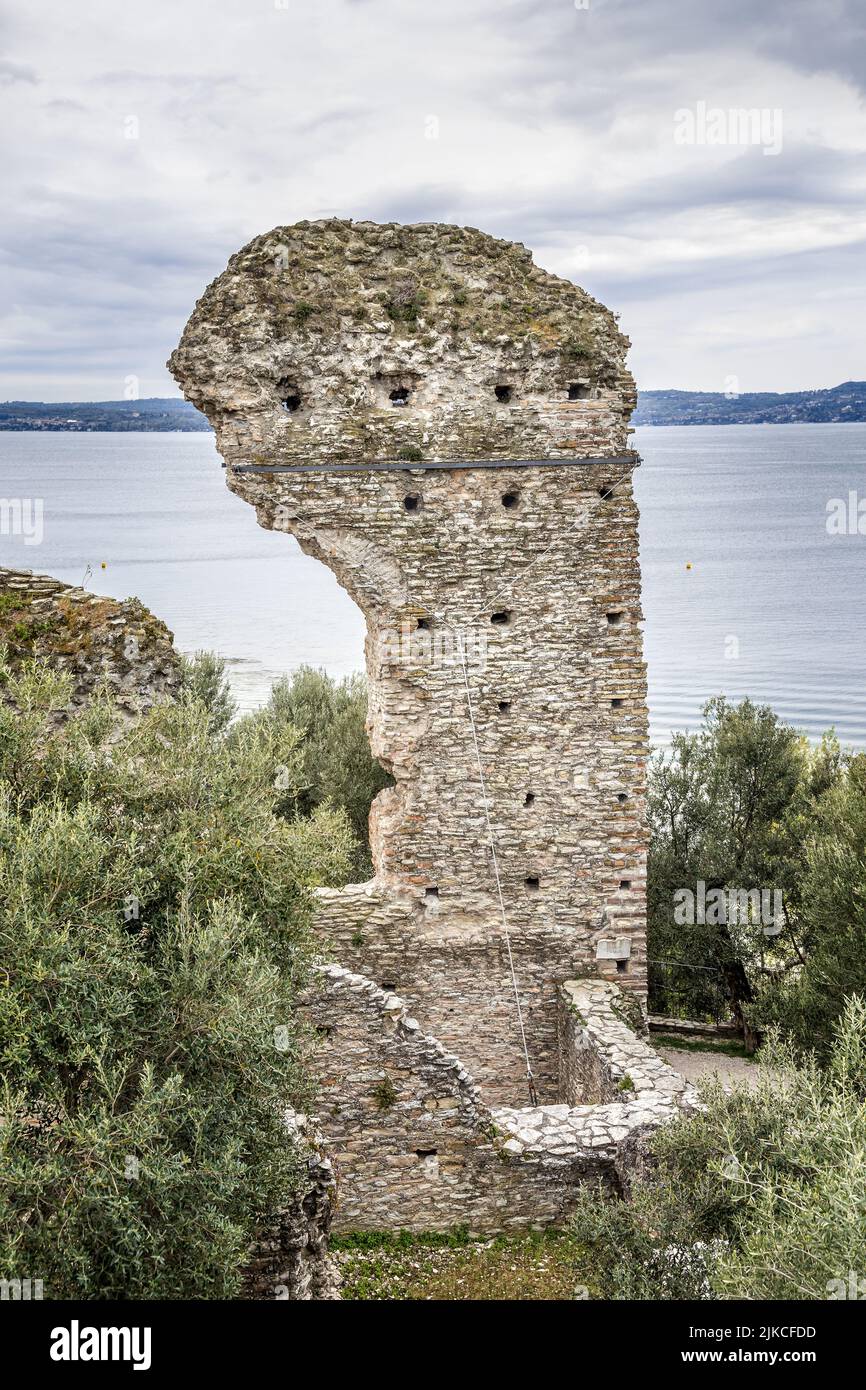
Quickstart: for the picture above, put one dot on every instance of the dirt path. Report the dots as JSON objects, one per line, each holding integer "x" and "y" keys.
{"x": 693, "y": 1065}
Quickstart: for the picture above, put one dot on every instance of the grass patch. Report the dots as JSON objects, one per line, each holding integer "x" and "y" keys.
{"x": 453, "y": 1266}
{"x": 457, "y": 1237}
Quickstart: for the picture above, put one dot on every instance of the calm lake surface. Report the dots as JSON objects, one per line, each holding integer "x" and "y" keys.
{"x": 772, "y": 606}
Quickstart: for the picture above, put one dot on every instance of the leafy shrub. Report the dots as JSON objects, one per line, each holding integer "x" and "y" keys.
{"x": 759, "y": 1195}
{"x": 732, "y": 806}
{"x": 808, "y": 1000}
{"x": 335, "y": 765}
{"x": 154, "y": 930}
{"x": 204, "y": 678}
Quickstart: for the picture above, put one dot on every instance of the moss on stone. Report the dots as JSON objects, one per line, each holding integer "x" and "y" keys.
{"x": 385, "y": 1094}
{"x": 342, "y": 295}
{"x": 89, "y": 637}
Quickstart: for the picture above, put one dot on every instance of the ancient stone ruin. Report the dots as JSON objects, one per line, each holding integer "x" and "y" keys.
{"x": 97, "y": 643}
{"x": 446, "y": 426}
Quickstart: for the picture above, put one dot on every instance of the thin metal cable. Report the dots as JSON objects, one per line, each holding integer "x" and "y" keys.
{"x": 533, "y": 1096}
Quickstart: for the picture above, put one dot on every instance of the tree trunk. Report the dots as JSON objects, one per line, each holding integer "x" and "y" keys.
{"x": 739, "y": 993}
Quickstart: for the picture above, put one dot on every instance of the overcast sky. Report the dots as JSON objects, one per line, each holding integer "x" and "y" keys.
{"x": 143, "y": 143}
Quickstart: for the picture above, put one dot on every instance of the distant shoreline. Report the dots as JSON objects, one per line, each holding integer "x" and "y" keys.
{"x": 838, "y": 405}
{"x": 198, "y": 429}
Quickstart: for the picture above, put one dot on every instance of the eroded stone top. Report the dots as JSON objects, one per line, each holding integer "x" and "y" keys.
{"x": 340, "y": 341}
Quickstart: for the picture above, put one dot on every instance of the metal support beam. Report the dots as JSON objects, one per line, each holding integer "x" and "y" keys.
{"x": 420, "y": 467}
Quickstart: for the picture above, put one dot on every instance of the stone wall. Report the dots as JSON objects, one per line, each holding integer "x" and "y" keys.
{"x": 368, "y": 386}
{"x": 603, "y": 1046}
{"x": 415, "y": 1147}
{"x": 94, "y": 641}
{"x": 290, "y": 1260}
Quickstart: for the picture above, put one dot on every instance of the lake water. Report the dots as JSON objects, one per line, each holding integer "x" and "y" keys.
{"x": 772, "y": 606}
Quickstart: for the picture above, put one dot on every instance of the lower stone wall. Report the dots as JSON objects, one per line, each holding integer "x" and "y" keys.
{"x": 584, "y": 1075}
{"x": 290, "y": 1260}
{"x": 416, "y": 1148}
{"x": 455, "y": 978}
{"x": 601, "y": 1056}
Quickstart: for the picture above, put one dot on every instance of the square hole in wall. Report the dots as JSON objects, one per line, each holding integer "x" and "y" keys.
{"x": 533, "y": 883}
{"x": 289, "y": 396}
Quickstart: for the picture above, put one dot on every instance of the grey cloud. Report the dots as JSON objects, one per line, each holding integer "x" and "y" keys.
{"x": 825, "y": 37}
{"x": 555, "y": 131}
{"x": 11, "y": 73}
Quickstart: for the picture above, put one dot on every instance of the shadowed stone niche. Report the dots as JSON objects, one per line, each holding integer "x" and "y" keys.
{"x": 445, "y": 425}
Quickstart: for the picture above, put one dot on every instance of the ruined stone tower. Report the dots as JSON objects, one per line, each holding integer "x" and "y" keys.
{"x": 445, "y": 425}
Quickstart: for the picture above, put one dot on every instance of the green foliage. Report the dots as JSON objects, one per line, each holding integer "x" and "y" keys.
{"x": 761, "y": 1194}
{"x": 808, "y": 1001}
{"x": 335, "y": 765}
{"x": 204, "y": 678}
{"x": 384, "y": 1094}
{"x": 154, "y": 930}
{"x": 405, "y": 301}
{"x": 449, "y": 1266}
{"x": 303, "y": 311}
{"x": 746, "y": 803}
{"x": 578, "y": 346}
{"x": 730, "y": 806}
{"x": 457, "y": 1238}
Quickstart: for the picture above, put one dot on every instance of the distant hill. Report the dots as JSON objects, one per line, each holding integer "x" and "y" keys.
{"x": 838, "y": 404}
{"x": 155, "y": 413}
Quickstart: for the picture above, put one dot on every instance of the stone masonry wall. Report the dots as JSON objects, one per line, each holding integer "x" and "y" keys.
{"x": 290, "y": 1260}
{"x": 297, "y": 351}
{"x": 600, "y": 1053}
{"x": 355, "y": 358}
{"x": 602, "y": 1057}
{"x": 95, "y": 641}
{"x": 415, "y": 1147}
